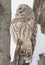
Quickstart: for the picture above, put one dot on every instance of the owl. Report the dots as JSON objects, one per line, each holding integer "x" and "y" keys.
{"x": 23, "y": 28}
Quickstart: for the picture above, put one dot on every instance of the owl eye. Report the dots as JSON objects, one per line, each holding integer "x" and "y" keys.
{"x": 20, "y": 8}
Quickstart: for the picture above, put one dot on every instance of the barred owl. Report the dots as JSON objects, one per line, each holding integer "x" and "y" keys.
{"x": 23, "y": 28}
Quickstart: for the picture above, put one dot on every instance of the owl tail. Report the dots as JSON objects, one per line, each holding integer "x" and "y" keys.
{"x": 17, "y": 52}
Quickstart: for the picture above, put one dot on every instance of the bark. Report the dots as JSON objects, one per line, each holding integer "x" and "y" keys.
{"x": 39, "y": 9}
{"x": 12, "y": 63}
{"x": 4, "y": 32}
{"x": 42, "y": 60}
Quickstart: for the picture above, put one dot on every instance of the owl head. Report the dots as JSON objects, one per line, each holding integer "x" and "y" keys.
{"x": 24, "y": 10}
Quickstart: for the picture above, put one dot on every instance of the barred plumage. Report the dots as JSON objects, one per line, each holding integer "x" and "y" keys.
{"x": 24, "y": 28}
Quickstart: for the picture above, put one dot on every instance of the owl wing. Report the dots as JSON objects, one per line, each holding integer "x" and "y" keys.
{"x": 33, "y": 39}
{"x": 15, "y": 29}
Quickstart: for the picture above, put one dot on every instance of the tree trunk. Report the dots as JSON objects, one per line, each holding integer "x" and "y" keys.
{"x": 39, "y": 9}
{"x": 42, "y": 60}
{"x": 4, "y": 32}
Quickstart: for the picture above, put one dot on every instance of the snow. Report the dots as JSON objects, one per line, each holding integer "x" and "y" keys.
{"x": 40, "y": 40}
{"x": 40, "y": 46}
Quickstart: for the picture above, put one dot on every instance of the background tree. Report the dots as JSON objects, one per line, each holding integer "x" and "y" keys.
{"x": 4, "y": 32}
{"x": 42, "y": 60}
{"x": 39, "y": 9}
